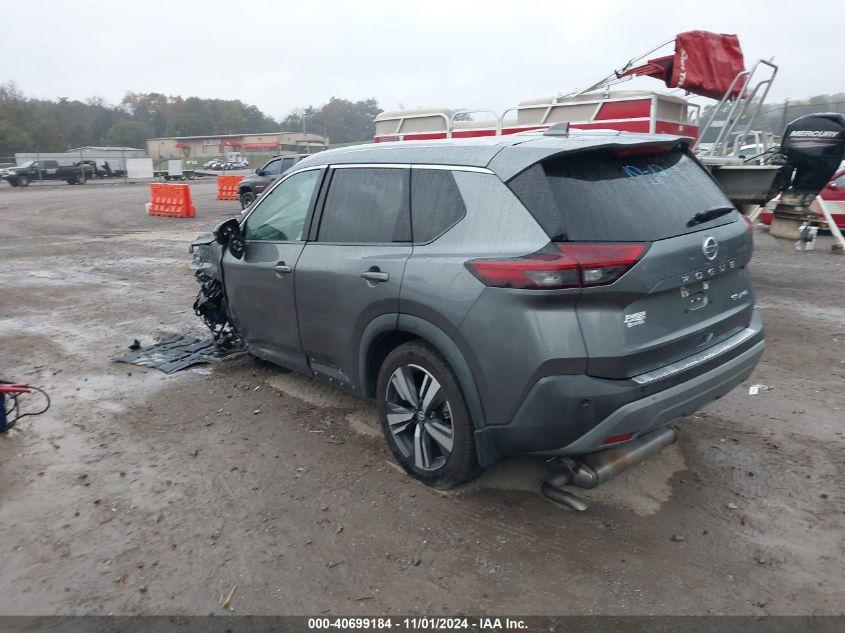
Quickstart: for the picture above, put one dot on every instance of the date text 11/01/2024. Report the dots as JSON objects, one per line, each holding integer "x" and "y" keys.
{"x": 417, "y": 623}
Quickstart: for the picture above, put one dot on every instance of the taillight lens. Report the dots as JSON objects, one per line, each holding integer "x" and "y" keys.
{"x": 603, "y": 263}
{"x": 561, "y": 265}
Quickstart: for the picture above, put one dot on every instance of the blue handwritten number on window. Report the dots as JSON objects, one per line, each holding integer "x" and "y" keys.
{"x": 654, "y": 174}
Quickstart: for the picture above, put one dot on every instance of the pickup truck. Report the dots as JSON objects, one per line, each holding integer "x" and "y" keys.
{"x": 31, "y": 170}
{"x": 254, "y": 185}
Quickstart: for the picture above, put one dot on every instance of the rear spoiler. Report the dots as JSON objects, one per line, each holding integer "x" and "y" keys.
{"x": 515, "y": 159}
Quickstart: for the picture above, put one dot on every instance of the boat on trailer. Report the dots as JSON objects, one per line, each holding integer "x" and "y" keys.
{"x": 704, "y": 64}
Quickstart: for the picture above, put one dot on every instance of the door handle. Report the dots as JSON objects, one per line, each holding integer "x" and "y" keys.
{"x": 282, "y": 269}
{"x": 374, "y": 274}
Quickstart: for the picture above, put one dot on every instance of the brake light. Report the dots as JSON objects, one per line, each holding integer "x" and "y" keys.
{"x": 639, "y": 150}
{"x": 562, "y": 265}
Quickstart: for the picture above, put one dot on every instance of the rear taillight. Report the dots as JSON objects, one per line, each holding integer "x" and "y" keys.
{"x": 603, "y": 263}
{"x": 562, "y": 265}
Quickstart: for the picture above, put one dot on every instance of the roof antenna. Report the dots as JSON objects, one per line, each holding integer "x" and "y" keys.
{"x": 558, "y": 129}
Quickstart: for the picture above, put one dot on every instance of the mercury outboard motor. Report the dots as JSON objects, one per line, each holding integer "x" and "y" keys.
{"x": 813, "y": 147}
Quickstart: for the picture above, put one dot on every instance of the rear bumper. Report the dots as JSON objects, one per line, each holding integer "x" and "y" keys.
{"x": 653, "y": 412}
{"x": 556, "y": 416}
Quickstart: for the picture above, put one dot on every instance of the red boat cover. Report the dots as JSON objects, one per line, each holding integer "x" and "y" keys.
{"x": 704, "y": 63}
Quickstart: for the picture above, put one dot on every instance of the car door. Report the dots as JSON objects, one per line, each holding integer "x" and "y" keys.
{"x": 351, "y": 272}
{"x": 260, "y": 286}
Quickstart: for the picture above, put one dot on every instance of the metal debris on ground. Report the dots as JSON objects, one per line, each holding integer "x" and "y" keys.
{"x": 226, "y": 600}
{"x": 179, "y": 352}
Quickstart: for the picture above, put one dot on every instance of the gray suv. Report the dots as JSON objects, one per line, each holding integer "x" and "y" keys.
{"x": 547, "y": 293}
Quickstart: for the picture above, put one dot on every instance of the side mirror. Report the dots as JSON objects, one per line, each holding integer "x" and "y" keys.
{"x": 832, "y": 185}
{"x": 229, "y": 234}
{"x": 258, "y": 171}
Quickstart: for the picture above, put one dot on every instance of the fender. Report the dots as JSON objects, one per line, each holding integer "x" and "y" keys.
{"x": 487, "y": 452}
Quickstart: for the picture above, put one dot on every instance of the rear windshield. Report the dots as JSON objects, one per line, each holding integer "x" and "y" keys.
{"x": 617, "y": 196}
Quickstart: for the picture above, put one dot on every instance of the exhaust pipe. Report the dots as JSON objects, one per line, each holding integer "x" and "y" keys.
{"x": 588, "y": 471}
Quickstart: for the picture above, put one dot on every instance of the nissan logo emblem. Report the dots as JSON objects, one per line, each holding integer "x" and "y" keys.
{"x": 710, "y": 247}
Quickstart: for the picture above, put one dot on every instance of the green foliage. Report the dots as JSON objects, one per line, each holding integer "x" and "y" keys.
{"x": 29, "y": 125}
{"x": 343, "y": 121}
{"x": 32, "y": 125}
{"x": 128, "y": 133}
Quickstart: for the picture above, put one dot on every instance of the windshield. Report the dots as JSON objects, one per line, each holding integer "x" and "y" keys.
{"x": 634, "y": 195}
{"x": 29, "y": 163}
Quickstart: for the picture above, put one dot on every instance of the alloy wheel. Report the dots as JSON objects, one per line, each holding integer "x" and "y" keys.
{"x": 419, "y": 417}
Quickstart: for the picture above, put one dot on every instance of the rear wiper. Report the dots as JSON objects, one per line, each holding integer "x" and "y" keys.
{"x": 709, "y": 214}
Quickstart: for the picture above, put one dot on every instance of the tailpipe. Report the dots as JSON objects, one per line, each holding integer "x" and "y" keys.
{"x": 589, "y": 471}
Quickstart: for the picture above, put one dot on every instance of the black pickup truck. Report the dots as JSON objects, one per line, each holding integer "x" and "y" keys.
{"x": 254, "y": 185}
{"x": 31, "y": 170}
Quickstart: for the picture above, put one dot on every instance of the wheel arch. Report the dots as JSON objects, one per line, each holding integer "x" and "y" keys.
{"x": 387, "y": 332}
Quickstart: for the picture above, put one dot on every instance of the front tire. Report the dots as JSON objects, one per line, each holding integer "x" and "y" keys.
{"x": 424, "y": 416}
{"x": 23, "y": 181}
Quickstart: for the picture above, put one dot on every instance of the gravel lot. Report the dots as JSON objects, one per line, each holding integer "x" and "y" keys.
{"x": 145, "y": 493}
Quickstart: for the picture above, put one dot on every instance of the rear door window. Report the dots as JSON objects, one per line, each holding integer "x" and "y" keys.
{"x": 366, "y": 205}
{"x": 436, "y": 203}
{"x": 621, "y": 195}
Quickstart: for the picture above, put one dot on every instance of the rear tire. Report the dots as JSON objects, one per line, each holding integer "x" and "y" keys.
{"x": 430, "y": 431}
{"x": 247, "y": 198}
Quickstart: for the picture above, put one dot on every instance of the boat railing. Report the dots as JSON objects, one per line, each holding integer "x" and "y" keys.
{"x": 729, "y": 111}
{"x": 459, "y": 113}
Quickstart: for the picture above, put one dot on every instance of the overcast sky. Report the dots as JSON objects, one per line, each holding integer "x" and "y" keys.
{"x": 284, "y": 55}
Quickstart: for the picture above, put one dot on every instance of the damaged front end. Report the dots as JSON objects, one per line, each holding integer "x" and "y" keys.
{"x": 210, "y": 305}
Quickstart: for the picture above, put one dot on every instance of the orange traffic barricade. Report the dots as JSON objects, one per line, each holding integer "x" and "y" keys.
{"x": 173, "y": 201}
{"x": 227, "y": 187}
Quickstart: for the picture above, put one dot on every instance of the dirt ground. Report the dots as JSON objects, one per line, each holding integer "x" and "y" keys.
{"x": 140, "y": 492}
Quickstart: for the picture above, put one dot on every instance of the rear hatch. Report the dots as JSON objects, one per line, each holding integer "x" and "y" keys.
{"x": 690, "y": 288}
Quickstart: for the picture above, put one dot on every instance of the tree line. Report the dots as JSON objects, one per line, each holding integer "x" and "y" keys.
{"x": 29, "y": 125}
{"x": 45, "y": 125}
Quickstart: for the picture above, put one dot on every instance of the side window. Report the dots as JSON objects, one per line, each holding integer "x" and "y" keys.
{"x": 366, "y": 205}
{"x": 273, "y": 168}
{"x": 840, "y": 181}
{"x": 287, "y": 163}
{"x": 280, "y": 215}
{"x": 436, "y": 203}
